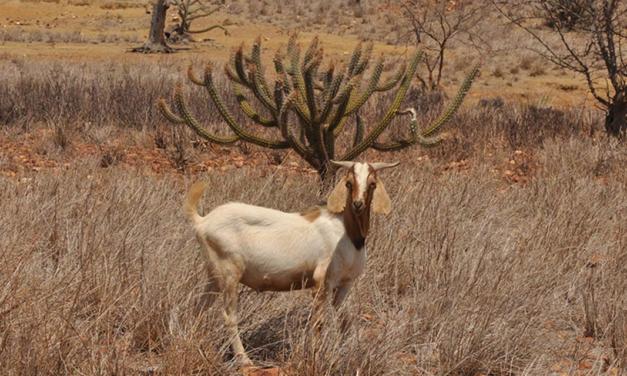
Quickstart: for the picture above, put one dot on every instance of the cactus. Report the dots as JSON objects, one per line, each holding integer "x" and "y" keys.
{"x": 310, "y": 107}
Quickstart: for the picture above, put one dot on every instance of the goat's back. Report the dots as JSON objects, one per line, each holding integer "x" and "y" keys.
{"x": 270, "y": 242}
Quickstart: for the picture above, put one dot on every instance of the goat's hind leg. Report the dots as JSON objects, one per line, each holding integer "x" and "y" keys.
{"x": 225, "y": 275}
{"x": 210, "y": 291}
{"x": 230, "y": 283}
{"x": 213, "y": 285}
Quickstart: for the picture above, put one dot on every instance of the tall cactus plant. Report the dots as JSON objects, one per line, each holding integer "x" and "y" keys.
{"x": 310, "y": 106}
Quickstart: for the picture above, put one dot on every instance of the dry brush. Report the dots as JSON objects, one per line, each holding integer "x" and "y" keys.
{"x": 101, "y": 273}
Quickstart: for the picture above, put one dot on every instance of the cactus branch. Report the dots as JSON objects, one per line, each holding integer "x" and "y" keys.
{"x": 165, "y": 110}
{"x": 193, "y": 124}
{"x": 260, "y": 87}
{"x": 364, "y": 60}
{"x": 392, "y": 81}
{"x": 416, "y": 136}
{"x": 362, "y": 98}
{"x": 193, "y": 78}
{"x": 248, "y": 109}
{"x": 455, "y": 104}
{"x": 352, "y": 66}
{"x": 379, "y": 128}
{"x": 239, "y": 131}
{"x": 359, "y": 130}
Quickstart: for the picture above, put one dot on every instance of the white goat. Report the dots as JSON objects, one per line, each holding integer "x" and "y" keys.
{"x": 267, "y": 249}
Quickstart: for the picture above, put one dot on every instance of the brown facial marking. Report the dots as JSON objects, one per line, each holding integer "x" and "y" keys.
{"x": 311, "y": 214}
{"x": 351, "y": 184}
{"x": 372, "y": 184}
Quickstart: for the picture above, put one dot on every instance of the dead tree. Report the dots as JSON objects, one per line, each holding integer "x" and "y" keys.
{"x": 434, "y": 25}
{"x": 594, "y": 49}
{"x": 189, "y": 11}
{"x": 156, "y": 37}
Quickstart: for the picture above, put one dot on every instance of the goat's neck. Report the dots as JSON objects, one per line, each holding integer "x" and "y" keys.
{"x": 357, "y": 226}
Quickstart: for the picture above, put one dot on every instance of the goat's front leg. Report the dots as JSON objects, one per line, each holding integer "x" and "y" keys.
{"x": 339, "y": 295}
{"x": 320, "y": 295}
{"x": 320, "y": 302}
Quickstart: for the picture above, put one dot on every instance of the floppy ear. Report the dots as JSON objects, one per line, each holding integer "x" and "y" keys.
{"x": 381, "y": 202}
{"x": 337, "y": 198}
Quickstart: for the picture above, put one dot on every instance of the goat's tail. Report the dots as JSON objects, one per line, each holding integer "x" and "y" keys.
{"x": 191, "y": 201}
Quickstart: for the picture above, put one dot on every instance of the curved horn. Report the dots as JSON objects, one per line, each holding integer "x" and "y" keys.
{"x": 346, "y": 164}
{"x": 383, "y": 165}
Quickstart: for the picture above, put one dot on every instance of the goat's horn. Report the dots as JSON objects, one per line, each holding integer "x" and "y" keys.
{"x": 347, "y": 164}
{"x": 383, "y": 165}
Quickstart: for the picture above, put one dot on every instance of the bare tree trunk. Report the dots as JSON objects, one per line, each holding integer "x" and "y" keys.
{"x": 156, "y": 37}
{"x": 616, "y": 119}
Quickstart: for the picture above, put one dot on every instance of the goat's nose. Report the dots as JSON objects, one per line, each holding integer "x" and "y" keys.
{"x": 358, "y": 205}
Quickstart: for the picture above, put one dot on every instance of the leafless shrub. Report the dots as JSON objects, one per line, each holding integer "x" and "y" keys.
{"x": 61, "y": 137}
{"x": 110, "y": 157}
{"x": 178, "y": 155}
{"x": 565, "y": 14}
{"x": 594, "y": 50}
{"x": 434, "y": 26}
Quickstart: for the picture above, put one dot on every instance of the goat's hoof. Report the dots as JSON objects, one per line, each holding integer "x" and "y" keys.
{"x": 243, "y": 360}
{"x": 261, "y": 371}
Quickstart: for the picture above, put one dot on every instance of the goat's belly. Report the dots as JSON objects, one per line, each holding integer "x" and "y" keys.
{"x": 278, "y": 281}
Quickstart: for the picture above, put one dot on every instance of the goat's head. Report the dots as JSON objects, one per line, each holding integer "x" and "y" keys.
{"x": 360, "y": 189}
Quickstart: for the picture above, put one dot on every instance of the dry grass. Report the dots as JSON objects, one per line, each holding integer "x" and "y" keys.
{"x": 101, "y": 274}
{"x": 82, "y": 93}
{"x": 15, "y": 34}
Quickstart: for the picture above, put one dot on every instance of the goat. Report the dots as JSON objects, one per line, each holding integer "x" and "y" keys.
{"x": 270, "y": 250}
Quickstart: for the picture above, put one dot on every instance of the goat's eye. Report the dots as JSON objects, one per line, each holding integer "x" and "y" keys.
{"x": 349, "y": 185}
{"x": 373, "y": 185}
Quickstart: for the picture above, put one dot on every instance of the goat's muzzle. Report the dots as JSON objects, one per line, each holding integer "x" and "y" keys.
{"x": 358, "y": 207}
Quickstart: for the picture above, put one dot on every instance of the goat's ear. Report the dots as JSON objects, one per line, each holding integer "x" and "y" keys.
{"x": 337, "y": 198}
{"x": 381, "y": 202}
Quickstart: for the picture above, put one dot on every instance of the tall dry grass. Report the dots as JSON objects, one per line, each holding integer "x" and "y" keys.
{"x": 100, "y": 274}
